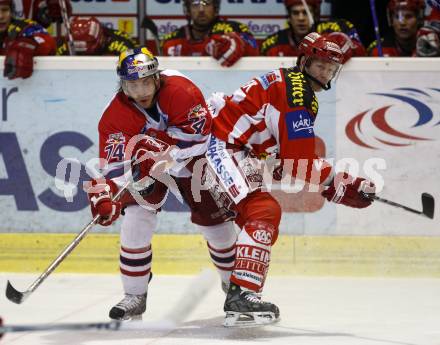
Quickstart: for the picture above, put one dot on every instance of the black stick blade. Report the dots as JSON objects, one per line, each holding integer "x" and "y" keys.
{"x": 148, "y": 23}
{"x": 428, "y": 204}
{"x": 14, "y": 295}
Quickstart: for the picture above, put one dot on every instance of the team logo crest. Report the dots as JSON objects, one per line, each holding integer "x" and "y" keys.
{"x": 400, "y": 124}
{"x": 115, "y": 138}
{"x": 197, "y": 112}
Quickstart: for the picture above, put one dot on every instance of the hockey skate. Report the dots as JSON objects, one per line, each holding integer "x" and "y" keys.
{"x": 244, "y": 308}
{"x": 131, "y": 307}
{"x": 225, "y": 287}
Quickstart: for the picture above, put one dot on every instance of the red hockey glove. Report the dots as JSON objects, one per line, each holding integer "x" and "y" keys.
{"x": 151, "y": 155}
{"x": 428, "y": 41}
{"x": 19, "y": 61}
{"x": 100, "y": 195}
{"x": 350, "y": 191}
{"x": 227, "y": 48}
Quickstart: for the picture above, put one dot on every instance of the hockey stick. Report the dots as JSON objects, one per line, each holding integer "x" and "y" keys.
{"x": 376, "y": 27}
{"x": 190, "y": 299}
{"x": 66, "y": 22}
{"x": 148, "y": 24}
{"x": 309, "y": 14}
{"x": 18, "y": 297}
{"x": 428, "y": 205}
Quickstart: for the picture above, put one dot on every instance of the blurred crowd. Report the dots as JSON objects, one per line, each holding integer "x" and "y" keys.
{"x": 394, "y": 28}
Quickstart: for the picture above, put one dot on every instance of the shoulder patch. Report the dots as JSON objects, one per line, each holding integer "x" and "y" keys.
{"x": 298, "y": 92}
{"x": 268, "y": 79}
{"x": 171, "y": 35}
{"x": 223, "y": 27}
{"x": 269, "y": 42}
{"x": 295, "y": 88}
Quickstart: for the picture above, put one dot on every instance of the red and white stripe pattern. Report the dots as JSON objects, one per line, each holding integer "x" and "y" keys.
{"x": 248, "y": 117}
{"x": 223, "y": 259}
{"x": 135, "y": 262}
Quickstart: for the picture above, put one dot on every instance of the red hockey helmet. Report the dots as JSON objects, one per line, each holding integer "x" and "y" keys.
{"x": 316, "y": 46}
{"x": 315, "y": 4}
{"x": 411, "y": 5}
{"x": 88, "y": 35}
{"x": 417, "y": 6}
{"x": 344, "y": 42}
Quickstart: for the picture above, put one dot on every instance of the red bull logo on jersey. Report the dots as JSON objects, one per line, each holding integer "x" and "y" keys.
{"x": 402, "y": 123}
{"x": 115, "y": 138}
{"x": 197, "y": 112}
{"x": 299, "y": 125}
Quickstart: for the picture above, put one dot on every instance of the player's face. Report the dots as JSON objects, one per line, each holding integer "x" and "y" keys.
{"x": 202, "y": 13}
{"x": 142, "y": 91}
{"x": 5, "y": 17}
{"x": 299, "y": 20}
{"x": 322, "y": 70}
{"x": 405, "y": 24}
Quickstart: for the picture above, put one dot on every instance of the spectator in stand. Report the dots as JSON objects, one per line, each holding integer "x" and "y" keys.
{"x": 405, "y": 17}
{"x": 207, "y": 35}
{"x": 303, "y": 18}
{"x": 91, "y": 37}
{"x": 20, "y": 41}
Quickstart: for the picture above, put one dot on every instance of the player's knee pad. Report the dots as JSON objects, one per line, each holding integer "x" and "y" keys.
{"x": 253, "y": 254}
{"x": 137, "y": 227}
{"x": 261, "y": 232}
{"x": 274, "y": 215}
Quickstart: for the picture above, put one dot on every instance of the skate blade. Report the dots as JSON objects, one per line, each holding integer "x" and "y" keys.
{"x": 130, "y": 318}
{"x": 256, "y": 319}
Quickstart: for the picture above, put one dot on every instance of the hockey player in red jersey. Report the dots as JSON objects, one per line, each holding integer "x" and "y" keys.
{"x": 304, "y": 17}
{"x": 161, "y": 119}
{"x": 207, "y": 35}
{"x": 272, "y": 117}
{"x": 405, "y": 17}
{"x": 20, "y": 41}
{"x": 91, "y": 37}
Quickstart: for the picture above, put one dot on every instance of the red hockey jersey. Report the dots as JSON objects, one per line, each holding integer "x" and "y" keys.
{"x": 282, "y": 43}
{"x": 180, "y": 42}
{"x": 271, "y": 115}
{"x": 180, "y": 111}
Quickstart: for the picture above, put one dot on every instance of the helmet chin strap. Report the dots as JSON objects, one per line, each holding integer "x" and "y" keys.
{"x": 325, "y": 87}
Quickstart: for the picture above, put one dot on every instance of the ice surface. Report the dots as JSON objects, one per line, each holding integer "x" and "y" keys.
{"x": 325, "y": 311}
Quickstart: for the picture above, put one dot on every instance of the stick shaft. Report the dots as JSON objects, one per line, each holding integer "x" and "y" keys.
{"x": 376, "y": 27}
{"x": 395, "y": 204}
{"x": 66, "y": 22}
{"x": 71, "y": 246}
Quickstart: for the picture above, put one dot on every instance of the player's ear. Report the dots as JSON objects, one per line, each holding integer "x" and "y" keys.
{"x": 301, "y": 62}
